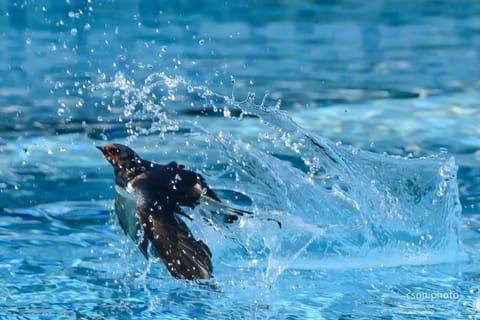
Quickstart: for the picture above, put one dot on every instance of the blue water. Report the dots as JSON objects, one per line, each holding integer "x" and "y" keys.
{"x": 353, "y": 124}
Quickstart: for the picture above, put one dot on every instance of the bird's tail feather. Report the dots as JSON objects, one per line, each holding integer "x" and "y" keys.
{"x": 228, "y": 213}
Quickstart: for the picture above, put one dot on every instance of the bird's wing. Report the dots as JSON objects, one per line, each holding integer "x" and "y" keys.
{"x": 183, "y": 255}
{"x": 189, "y": 184}
{"x": 192, "y": 190}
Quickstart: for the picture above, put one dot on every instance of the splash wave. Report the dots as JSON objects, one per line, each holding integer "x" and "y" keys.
{"x": 334, "y": 201}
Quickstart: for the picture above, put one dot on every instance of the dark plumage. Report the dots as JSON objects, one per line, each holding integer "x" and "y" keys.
{"x": 149, "y": 200}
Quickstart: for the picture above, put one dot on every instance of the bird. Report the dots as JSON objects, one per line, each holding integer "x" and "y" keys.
{"x": 149, "y": 202}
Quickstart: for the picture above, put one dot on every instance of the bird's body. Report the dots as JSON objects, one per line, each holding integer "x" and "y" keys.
{"x": 149, "y": 203}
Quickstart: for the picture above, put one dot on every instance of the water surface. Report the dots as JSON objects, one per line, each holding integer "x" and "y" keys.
{"x": 366, "y": 148}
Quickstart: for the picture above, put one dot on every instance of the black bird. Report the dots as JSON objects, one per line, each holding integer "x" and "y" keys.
{"x": 149, "y": 201}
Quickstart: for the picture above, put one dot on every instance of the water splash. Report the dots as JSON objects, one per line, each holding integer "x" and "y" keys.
{"x": 142, "y": 103}
{"x": 334, "y": 202}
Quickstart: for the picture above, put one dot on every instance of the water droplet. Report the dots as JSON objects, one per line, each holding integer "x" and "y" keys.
{"x": 477, "y": 304}
{"x": 50, "y": 151}
{"x": 201, "y": 42}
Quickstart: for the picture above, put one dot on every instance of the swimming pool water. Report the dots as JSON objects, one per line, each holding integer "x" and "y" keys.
{"x": 353, "y": 124}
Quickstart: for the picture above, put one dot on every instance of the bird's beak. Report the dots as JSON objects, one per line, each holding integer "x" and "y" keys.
{"x": 101, "y": 149}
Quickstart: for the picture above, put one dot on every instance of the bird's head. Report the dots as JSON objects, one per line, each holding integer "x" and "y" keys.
{"x": 120, "y": 156}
